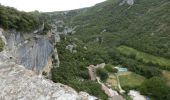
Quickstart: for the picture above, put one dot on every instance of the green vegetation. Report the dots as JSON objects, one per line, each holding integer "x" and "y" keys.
{"x": 110, "y": 68}
{"x": 73, "y": 68}
{"x": 131, "y": 81}
{"x": 10, "y": 18}
{"x": 102, "y": 73}
{"x": 143, "y": 26}
{"x": 145, "y": 57}
{"x": 166, "y": 74}
{"x": 1, "y": 45}
{"x": 113, "y": 81}
{"x": 108, "y": 25}
{"x": 157, "y": 88}
{"x": 136, "y": 37}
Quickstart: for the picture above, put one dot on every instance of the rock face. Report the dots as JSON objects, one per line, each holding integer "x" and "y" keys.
{"x": 71, "y": 48}
{"x": 136, "y": 95}
{"x": 31, "y": 50}
{"x": 59, "y": 27}
{"x": 19, "y": 83}
{"x": 129, "y": 2}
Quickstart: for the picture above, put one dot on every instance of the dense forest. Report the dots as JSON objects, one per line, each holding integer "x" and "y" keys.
{"x": 73, "y": 68}
{"x": 134, "y": 36}
{"x": 11, "y": 18}
{"x": 144, "y": 25}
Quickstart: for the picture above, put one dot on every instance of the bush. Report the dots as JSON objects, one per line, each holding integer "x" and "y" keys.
{"x": 110, "y": 68}
{"x": 156, "y": 87}
{"x": 1, "y": 45}
{"x": 102, "y": 73}
{"x": 11, "y": 18}
{"x": 132, "y": 55}
{"x": 149, "y": 72}
{"x": 73, "y": 69}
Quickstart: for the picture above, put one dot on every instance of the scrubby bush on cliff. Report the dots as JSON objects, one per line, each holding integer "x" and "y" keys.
{"x": 1, "y": 45}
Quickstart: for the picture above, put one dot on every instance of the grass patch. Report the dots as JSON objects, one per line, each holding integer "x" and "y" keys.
{"x": 144, "y": 57}
{"x": 113, "y": 81}
{"x": 128, "y": 80}
{"x": 131, "y": 80}
{"x": 166, "y": 74}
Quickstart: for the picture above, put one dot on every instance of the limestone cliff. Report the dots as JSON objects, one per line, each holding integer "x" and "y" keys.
{"x": 19, "y": 83}
{"x": 31, "y": 50}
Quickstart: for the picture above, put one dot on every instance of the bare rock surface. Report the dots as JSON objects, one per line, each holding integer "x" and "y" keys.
{"x": 19, "y": 83}
{"x": 129, "y": 2}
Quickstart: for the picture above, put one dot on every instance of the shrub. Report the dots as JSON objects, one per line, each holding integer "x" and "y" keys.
{"x": 156, "y": 87}
{"x": 1, "y": 45}
{"x": 110, "y": 68}
{"x": 102, "y": 73}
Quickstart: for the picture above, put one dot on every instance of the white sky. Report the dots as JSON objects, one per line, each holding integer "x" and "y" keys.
{"x": 49, "y": 5}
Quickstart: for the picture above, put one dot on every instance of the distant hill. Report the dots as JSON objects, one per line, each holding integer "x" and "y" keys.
{"x": 143, "y": 25}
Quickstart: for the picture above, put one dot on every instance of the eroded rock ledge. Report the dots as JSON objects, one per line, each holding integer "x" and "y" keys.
{"x": 19, "y": 83}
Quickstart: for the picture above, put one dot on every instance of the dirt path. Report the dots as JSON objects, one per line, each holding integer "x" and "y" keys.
{"x": 118, "y": 83}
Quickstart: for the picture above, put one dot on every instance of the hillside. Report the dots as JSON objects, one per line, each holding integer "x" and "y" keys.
{"x": 143, "y": 25}
{"x": 117, "y": 32}
{"x": 130, "y": 34}
{"x": 26, "y": 51}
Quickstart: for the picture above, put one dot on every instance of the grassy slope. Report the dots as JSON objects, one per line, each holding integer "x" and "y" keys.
{"x": 146, "y": 58}
{"x": 128, "y": 80}
{"x": 131, "y": 80}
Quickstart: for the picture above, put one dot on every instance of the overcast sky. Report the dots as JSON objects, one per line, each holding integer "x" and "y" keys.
{"x": 49, "y": 5}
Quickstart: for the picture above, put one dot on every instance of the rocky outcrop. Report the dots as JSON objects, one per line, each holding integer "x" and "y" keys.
{"x": 72, "y": 48}
{"x": 19, "y": 83}
{"x": 135, "y": 95}
{"x": 31, "y": 50}
{"x": 129, "y": 2}
{"x": 59, "y": 27}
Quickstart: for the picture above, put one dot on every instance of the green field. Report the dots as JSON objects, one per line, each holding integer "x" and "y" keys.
{"x": 128, "y": 80}
{"x": 131, "y": 80}
{"x": 145, "y": 57}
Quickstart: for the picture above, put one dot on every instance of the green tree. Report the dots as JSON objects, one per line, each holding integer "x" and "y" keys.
{"x": 110, "y": 68}
{"x": 156, "y": 87}
{"x": 102, "y": 73}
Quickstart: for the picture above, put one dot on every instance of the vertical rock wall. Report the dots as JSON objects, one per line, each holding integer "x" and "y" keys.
{"x": 32, "y": 50}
